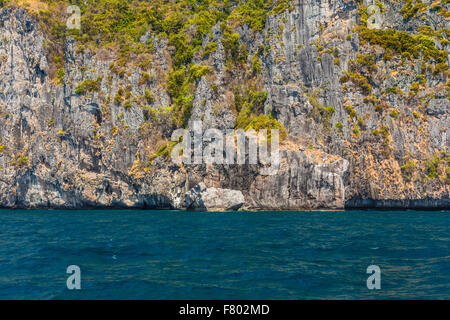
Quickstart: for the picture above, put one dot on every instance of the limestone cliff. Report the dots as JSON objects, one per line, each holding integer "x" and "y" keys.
{"x": 366, "y": 121}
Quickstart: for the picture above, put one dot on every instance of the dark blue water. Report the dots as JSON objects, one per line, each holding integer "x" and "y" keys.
{"x": 135, "y": 254}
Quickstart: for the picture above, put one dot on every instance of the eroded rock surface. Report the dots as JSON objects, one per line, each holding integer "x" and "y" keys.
{"x": 213, "y": 199}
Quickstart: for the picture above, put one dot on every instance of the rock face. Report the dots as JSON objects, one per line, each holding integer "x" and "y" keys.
{"x": 62, "y": 149}
{"x": 213, "y": 199}
{"x": 306, "y": 180}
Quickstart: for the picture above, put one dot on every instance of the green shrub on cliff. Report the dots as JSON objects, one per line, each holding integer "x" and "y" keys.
{"x": 392, "y": 90}
{"x": 183, "y": 51}
{"x": 408, "y": 169}
{"x": 268, "y": 123}
{"x": 359, "y": 80}
{"x": 250, "y": 107}
{"x": 411, "y": 8}
{"x": 198, "y": 71}
{"x": 394, "y": 114}
{"x": 230, "y": 42}
{"x": 440, "y": 68}
{"x": 127, "y": 105}
{"x": 362, "y": 62}
{"x": 431, "y": 166}
{"x": 148, "y": 96}
{"x": 414, "y": 88}
{"x": 164, "y": 151}
{"x": 254, "y": 13}
{"x": 351, "y": 112}
{"x": 256, "y": 65}
{"x": 356, "y": 130}
{"x": 401, "y": 42}
{"x": 89, "y": 85}
{"x": 179, "y": 86}
{"x": 248, "y": 103}
{"x": 326, "y": 113}
{"x": 22, "y": 160}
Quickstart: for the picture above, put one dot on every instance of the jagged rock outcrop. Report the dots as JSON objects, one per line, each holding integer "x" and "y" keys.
{"x": 306, "y": 180}
{"x": 213, "y": 199}
{"x": 59, "y": 148}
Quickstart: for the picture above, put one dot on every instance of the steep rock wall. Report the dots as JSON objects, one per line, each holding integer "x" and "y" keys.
{"x": 64, "y": 149}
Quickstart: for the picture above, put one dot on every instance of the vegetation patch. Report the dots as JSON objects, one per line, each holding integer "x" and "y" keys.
{"x": 412, "y": 8}
{"x": 431, "y": 166}
{"x": 263, "y": 122}
{"x": 401, "y": 42}
{"x": 358, "y": 80}
{"x": 89, "y": 85}
{"x": 408, "y": 169}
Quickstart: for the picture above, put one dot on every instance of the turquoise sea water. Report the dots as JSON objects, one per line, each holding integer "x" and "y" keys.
{"x": 137, "y": 254}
